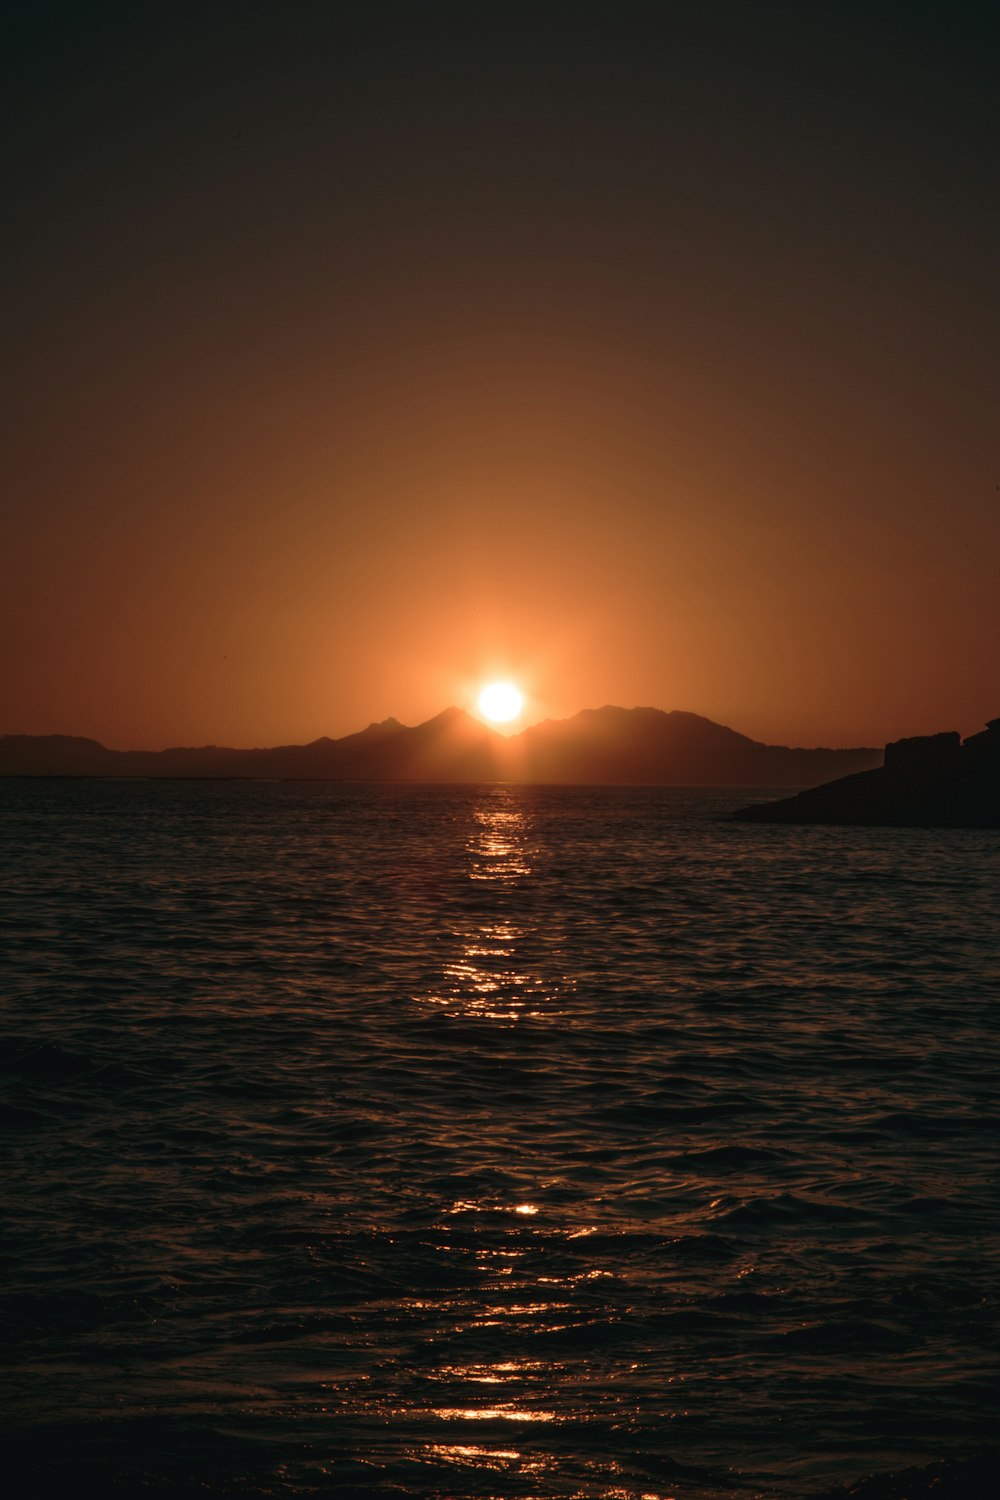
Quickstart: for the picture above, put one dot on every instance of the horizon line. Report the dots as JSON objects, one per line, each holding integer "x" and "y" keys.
{"x": 503, "y": 734}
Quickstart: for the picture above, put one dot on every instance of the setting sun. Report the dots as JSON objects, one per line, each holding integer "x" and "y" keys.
{"x": 500, "y": 701}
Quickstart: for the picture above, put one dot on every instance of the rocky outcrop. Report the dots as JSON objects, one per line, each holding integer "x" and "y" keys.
{"x": 931, "y": 781}
{"x": 925, "y": 752}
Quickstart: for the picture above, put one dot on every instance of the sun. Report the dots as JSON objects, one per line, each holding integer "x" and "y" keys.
{"x": 500, "y": 701}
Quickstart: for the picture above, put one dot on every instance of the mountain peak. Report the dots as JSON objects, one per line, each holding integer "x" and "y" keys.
{"x": 382, "y": 726}
{"x": 609, "y": 745}
{"x": 453, "y": 717}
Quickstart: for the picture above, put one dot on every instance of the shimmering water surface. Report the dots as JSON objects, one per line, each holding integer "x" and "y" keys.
{"x": 491, "y": 1142}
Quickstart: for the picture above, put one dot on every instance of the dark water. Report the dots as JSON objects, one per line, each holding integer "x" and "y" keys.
{"x": 491, "y": 1142}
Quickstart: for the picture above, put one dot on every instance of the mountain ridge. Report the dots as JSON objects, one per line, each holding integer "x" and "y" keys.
{"x": 608, "y": 745}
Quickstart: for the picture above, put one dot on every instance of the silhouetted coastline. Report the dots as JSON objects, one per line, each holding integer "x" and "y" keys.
{"x": 604, "y": 746}
{"x": 929, "y": 781}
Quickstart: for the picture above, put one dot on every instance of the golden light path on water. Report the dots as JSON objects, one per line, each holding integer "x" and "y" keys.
{"x": 485, "y": 980}
{"x": 493, "y": 1143}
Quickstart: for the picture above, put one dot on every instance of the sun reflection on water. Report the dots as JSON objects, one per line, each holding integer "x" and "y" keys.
{"x": 465, "y": 1451}
{"x": 495, "y": 971}
{"x": 483, "y": 978}
{"x": 504, "y": 1413}
{"x": 498, "y": 843}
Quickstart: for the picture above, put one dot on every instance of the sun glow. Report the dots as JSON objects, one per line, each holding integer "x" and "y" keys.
{"x": 500, "y": 701}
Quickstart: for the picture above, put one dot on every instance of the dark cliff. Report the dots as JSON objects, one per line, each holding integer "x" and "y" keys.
{"x": 930, "y": 781}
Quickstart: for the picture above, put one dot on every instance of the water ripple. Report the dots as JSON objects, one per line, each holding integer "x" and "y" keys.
{"x": 501, "y": 1141}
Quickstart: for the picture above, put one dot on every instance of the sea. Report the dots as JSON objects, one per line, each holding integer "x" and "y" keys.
{"x": 490, "y": 1141}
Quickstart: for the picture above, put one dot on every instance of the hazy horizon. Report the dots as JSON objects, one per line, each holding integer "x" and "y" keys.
{"x": 789, "y": 729}
{"x": 640, "y": 355}
{"x": 526, "y": 722}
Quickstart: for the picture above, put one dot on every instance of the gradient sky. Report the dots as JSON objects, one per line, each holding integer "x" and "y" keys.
{"x": 645, "y": 353}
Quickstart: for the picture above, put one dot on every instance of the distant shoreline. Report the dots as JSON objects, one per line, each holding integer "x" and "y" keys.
{"x": 597, "y": 747}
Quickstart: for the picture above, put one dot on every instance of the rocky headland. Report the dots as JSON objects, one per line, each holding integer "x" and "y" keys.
{"x": 930, "y": 781}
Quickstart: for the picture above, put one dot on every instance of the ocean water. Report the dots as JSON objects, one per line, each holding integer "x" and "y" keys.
{"x": 490, "y": 1141}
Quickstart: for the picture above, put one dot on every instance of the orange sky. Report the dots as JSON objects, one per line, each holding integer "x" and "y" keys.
{"x": 659, "y": 371}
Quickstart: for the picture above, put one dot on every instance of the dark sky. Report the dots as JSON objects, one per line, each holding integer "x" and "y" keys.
{"x": 360, "y": 353}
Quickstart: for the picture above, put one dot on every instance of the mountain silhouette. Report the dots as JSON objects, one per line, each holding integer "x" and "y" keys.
{"x": 647, "y": 745}
{"x": 604, "y": 745}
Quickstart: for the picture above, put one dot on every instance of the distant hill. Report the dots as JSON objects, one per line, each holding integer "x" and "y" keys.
{"x": 603, "y": 745}
{"x": 930, "y": 781}
{"x": 646, "y": 745}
